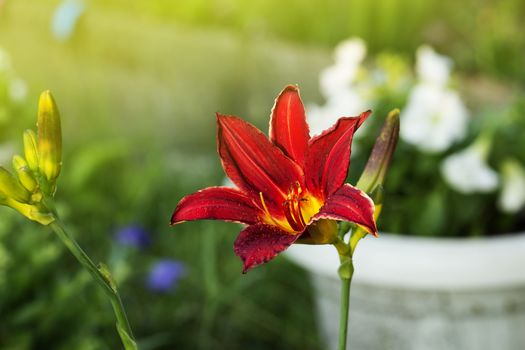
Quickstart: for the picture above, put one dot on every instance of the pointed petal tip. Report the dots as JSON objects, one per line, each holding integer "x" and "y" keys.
{"x": 260, "y": 243}
{"x": 174, "y": 221}
{"x": 223, "y": 119}
{"x": 248, "y": 267}
{"x": 364, "y": 116}
{"x": 372, "y": 229}
{"x": 216, "y": 203}
{"x": 219, "y": 116}
{"x": 288, "y": 127}
{"x": 291, "y": 87}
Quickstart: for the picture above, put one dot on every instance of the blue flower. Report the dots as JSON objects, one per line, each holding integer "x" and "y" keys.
{"x": 133, "y": 236}
{"x": 164, "y": 275}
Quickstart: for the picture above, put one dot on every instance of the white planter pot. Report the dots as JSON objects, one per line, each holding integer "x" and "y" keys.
{"x": 423, "y": 294}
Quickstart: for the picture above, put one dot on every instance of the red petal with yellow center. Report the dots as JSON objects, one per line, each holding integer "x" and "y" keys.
{"x": 254, "y": 164}
{"x": 260, "y": 243}
{"x": 328, "y": 156}
{"x": 349, "y": 204}
{"x": 288, "y": 127}
{"x": 216, "y": 203}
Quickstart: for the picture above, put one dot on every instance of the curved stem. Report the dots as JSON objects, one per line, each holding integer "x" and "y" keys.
{"x": 102, "y": 277}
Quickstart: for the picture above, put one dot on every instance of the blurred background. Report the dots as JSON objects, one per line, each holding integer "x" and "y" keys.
{"x": 138, "y": 84}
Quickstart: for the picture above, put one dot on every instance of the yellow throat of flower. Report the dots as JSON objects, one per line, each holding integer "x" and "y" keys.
{"x": 298, "y": 208}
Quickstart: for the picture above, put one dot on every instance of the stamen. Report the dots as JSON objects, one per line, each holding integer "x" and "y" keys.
{"x": 267, "y": 212}
{"x": 299, "y": 211}
{"x": 289, "y": 213}
{"x": 300, "y": 199}
{"x": 292, "y": 207}
{"x": 298, "y": 186}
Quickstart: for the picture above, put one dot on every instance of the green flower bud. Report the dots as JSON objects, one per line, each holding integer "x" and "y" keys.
{"x": 32, "y": 212}
{"x": 3, "y": 199}
{"x": 378, "y": 195}
{"x": 49, "y": 138}
{"x": 11, "y": 188}
{"x": 25, "y": 175}
{"x": 379, "y": 160}
{"x": 31, "y": 149}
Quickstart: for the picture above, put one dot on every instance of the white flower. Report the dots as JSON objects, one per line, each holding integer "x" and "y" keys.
{"x": 346, "y": 104}
{"x": 348, "y": 58}
{"x": 338, "y": 85}
{"x": 434, "y": 118}
{"x": 512, "y": 197}
{"x": 431, "y": 67}
{"x": 468, "y": 172}
{"x": 336, "y": 78}
{"x": 351, "y": 51}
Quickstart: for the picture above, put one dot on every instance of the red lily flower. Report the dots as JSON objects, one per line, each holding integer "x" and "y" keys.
{"x": 286, "y": 185}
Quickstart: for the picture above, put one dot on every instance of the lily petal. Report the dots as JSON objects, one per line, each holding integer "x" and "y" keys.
{"x": 349, "y": 203}
{"x": 260, "y": 243}
{"x": 254, "y": 164}
{"x": 288, "y": 127}
{"x": 216, "y": 203}
{"x": 328, "y": 156}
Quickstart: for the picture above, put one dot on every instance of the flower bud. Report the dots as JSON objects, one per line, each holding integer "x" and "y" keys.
{"x": 378, "y": 195}
{"x": 11, "y": 188}
{"x": 49, "y": 137}
{"x": 379, "y": 160}
{"x": 31, "y": 149}
{"x": 3, "y": 199}
{"x": 25, "y": 176}
{"x": 32, "y": 212}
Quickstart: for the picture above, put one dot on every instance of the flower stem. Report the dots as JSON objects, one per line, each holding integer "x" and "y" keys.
{"x": 102, "y": 277}
{"x": 345, "y": 305}
{"x": 345, "y": 271}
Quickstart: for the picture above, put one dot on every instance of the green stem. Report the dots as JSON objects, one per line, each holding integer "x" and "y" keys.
{"x": 343, "y": 318}
{"x": 345, "y": 272}
{"x": 123, "y": 326}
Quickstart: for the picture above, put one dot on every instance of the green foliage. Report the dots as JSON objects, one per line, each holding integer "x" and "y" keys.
{"x": 47, "y": 300}
{"x": 419, "y": 202}
{"x": 138, "y": 87}
{"x": 483, "y": 35}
